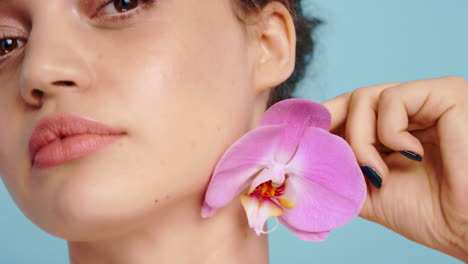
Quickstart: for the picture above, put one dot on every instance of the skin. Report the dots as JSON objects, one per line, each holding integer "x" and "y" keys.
{"x": 159, "y": 77}
{"x": 138, "y": 200}
{"x": 424, "y": 201}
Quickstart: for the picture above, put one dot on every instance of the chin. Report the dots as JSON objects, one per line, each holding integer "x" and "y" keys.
{"x": 88, "y": 201}
{"x": 82, "y": 216}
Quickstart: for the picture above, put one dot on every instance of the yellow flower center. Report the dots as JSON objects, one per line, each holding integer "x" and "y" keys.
{"x": 267, "y": 190}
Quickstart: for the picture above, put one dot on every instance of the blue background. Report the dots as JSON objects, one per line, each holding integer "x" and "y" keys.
{"x": 364, "y": 42}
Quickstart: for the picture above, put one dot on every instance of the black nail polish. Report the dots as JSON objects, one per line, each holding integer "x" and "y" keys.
{"x": 411, "y": 155}
{"x": 372, "y": 176}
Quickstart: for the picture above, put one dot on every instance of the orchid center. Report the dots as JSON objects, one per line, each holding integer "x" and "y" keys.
{"x": 267, "y": 200}
{"x": 266, "y": 189}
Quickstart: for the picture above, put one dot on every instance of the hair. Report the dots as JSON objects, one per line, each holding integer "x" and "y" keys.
{"x": 305, "y": 27}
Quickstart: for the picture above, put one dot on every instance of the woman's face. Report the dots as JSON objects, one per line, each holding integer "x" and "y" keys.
{"x": 176, "y": 76}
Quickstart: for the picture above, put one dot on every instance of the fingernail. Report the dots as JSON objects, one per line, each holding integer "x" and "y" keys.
{"x": 372, "y": 176}
{"x": 411, "y": 155}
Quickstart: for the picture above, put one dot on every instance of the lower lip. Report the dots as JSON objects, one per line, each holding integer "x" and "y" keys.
{"x": 71, "y": 148}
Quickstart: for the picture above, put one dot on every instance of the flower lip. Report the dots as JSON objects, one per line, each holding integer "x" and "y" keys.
{"x": 60, "y": 126}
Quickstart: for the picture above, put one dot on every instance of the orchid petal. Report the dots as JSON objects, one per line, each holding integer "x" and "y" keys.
{"x": 288, "y": 199}
{"x": 242, "y": 161}
{"x": 297, "y": 115}
{"x": 297, "y": 110}
{"x": 329, "y": 161}
{"x": 307, "y": 236}
{"x": 259, "y": 210}
{"x": 328, "y": 180}
{"x": 318, "y": 209}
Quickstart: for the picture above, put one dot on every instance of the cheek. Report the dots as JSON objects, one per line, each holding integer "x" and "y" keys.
{"x": 191, "y": 97}
{"x": 14, "y": 158}
{"x": 196, "y": 105}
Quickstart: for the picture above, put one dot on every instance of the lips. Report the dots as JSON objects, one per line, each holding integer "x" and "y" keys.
{"x": 65, "y": 137}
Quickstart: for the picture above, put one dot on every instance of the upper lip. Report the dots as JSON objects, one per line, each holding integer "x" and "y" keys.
{"x": 59, "y": 126}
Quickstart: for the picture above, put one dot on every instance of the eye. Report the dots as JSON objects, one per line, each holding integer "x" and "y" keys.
{"x": 120, "y": 6}
{"x": 8, "y": 45}
{"x": 125, "y": 5}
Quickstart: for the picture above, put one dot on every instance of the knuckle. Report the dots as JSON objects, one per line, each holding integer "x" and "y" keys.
{"x": 456, "y": 81}
{"x": 456, "y": 78}
{"x": 344, "y": 96}
{"x": 373, "y": 91}
{"x": 388, "y": 95}
{"x": 384, "y": 135}
{"x": 392, "y": 84}
{"x": 459, "y": 85}
{"x": 359, "y": 92}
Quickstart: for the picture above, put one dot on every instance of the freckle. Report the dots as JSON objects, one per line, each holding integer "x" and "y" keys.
{"x": 167, "y": 196}
{"x": 193, "y": 143}
{"x": 156, "y": 201}
{"x": 218, "y": 127}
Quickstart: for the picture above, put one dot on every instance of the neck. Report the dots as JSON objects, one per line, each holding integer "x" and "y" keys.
{"x": 180, "y": 235}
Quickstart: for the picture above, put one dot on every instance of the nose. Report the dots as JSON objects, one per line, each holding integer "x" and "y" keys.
{"x": 53, "y": 63}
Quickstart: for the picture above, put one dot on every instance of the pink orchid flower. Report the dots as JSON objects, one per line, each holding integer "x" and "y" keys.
{"x": 292, "y": 168}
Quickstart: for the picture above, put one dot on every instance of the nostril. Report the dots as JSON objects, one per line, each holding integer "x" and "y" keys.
{"x": 37, "y": 93}
{"x": 64, "y": 83}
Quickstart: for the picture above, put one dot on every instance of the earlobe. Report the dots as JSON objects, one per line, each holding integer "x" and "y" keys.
{"x": 276, "y": 38}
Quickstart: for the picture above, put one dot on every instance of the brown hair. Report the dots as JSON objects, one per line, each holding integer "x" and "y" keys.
{"x": 305, "y": 27}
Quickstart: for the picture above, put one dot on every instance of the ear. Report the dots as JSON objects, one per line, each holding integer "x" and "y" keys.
{"x": 276, "y": 47}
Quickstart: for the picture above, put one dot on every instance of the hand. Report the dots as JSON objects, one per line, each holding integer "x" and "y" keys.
{"x": 425, "y": 201}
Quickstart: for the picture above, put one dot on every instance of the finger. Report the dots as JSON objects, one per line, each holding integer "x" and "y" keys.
{"x": 413, "y": 104}
{"x": 367, "y": 210}
{"x": 392, "y": 122}
{"x": 428, "y": 135}
{"x": 338, "y": 108}
{"x": 361, "y": 132}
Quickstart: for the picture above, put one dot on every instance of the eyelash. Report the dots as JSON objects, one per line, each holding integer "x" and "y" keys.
{"x": 146, "y": 4}
{"x": 7, "y": 36}
{"x": 121, "y": 17}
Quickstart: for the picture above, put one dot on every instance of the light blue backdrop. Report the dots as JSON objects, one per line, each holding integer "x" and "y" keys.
{"x": 367, "y": 42}
{"x": 364, "y": 42}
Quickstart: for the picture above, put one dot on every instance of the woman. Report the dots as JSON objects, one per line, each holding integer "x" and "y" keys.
{"x": 136, "y": 199}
